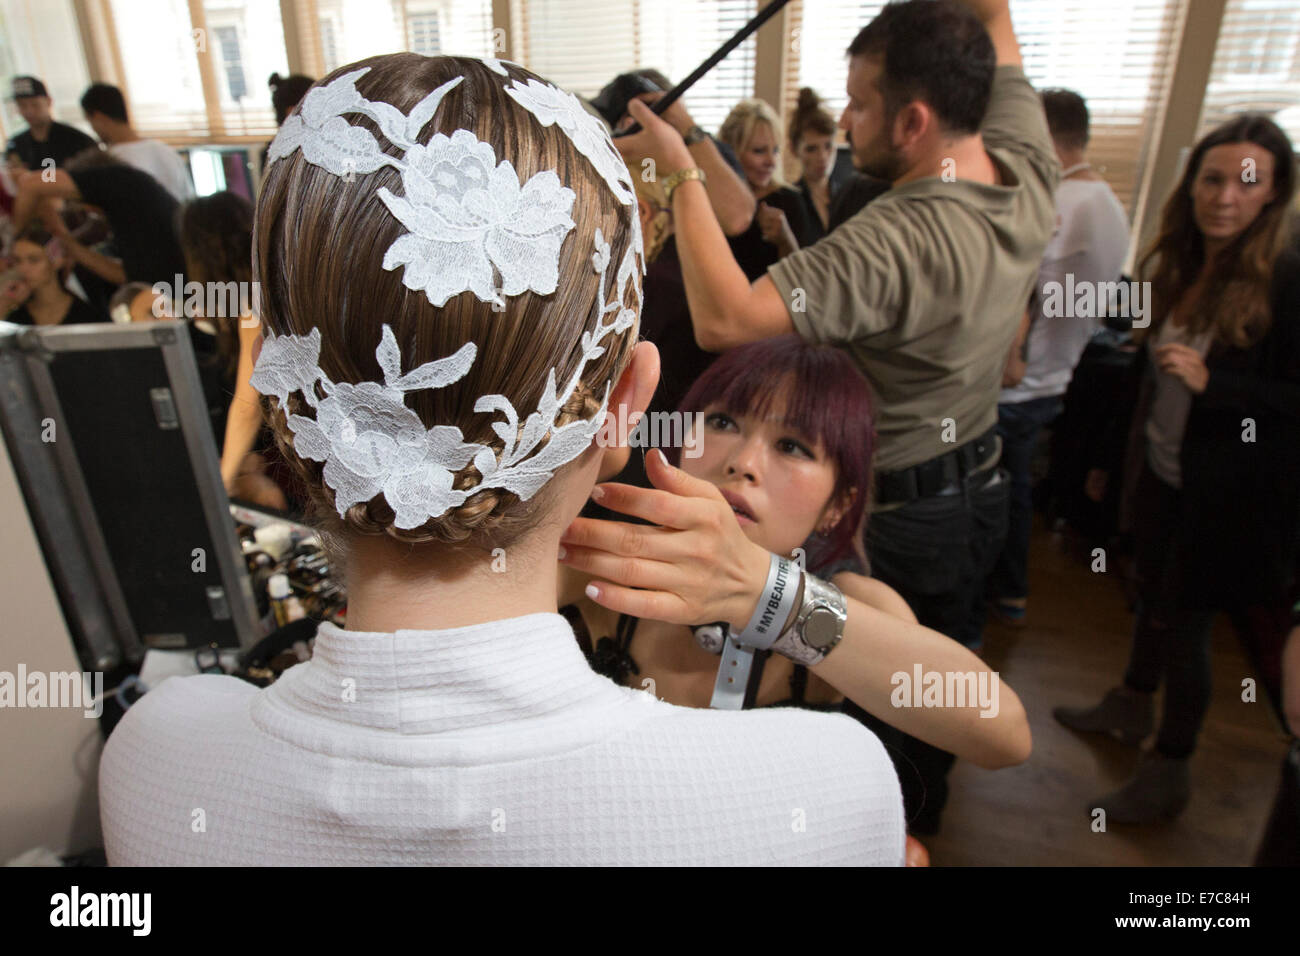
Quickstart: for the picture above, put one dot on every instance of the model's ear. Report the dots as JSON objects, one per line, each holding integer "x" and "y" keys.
{"x": 836, "y": 509}
{"x": 627, "y": 403}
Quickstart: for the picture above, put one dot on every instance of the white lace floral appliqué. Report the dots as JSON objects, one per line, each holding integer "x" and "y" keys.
{"x": 367, "y": 437}
{"x": 466, "y": 213}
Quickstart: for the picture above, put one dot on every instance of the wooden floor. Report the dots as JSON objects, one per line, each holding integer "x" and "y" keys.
{"x": 1073, "y": 648}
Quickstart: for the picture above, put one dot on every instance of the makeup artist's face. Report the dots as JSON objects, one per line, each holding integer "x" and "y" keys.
{"x": 864, "y": 120}
{"x": 758, "y": 158}
{"x": 777, "y": 480}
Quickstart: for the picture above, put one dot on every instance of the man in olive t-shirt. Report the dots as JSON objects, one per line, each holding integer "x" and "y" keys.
{"x": 925, "y": 287}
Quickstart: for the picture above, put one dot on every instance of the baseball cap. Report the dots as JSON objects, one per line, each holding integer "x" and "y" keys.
{"x": 24, "y": 86}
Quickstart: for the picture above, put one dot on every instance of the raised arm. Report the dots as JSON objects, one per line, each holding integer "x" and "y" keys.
{"x": 726, "y": 309}
{"x": 996, "y": 17}
{"x": 34, "y": 187}
{"x": 729, "y": 196}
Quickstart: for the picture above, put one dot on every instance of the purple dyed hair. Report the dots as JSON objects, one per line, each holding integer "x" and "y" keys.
{"x": 830, "y": 404}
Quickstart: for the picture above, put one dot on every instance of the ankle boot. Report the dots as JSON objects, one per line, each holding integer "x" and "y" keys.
{"x": 1159, "y": 790}
{"x": 1127, "y": 715}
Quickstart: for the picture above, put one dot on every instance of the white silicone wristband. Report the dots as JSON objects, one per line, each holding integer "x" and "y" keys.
{"x": 773, "y": 610}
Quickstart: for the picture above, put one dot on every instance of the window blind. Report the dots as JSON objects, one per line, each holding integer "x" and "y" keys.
{"x": 159, "y": 56}
{"x": 336, "y": 32}
{"x": 580, "y": 52}
{"x": 1256, "y": 65}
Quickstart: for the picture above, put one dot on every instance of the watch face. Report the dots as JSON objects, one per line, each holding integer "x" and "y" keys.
{"x": 820, "y": 628}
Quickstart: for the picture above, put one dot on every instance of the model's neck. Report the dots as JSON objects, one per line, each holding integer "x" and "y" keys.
{"x": 393, "y": 586}
{"x": 41, "y": 131}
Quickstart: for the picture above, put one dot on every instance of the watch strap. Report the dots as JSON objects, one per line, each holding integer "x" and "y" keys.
{"x": 672, "y": 181}
{"x": 825, "y": 600}
{"x": 696, "y": 134}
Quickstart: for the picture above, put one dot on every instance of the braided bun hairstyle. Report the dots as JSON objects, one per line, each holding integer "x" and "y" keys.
{"x": 318, "y": 250}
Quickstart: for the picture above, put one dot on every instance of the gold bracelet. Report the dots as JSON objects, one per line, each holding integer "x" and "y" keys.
{"x": 671, "y": 183}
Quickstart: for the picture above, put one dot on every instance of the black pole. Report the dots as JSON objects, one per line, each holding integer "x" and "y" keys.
{"x": 676, "y": 92}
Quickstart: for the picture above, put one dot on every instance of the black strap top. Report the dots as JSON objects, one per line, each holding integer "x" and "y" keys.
{"x": 611, "y": 657}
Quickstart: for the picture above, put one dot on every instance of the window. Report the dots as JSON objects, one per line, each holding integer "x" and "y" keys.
{"x": 1256, "y": 65}
{"x": 1119, "y": 56}
{"x": 820, "y": 32}
{"x": 343, "y": 31}
{"x": 563, "y": 42}
{"x": 231, "y": 63}
{"x": 423, "y": 34}
{"x": 42, "y": 41}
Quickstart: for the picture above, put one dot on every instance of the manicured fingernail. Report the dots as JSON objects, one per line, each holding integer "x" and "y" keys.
{"x": 563, "y": 553}
{"x": 663, "y": 458}
{"x": 597, "y": 492}
{"x": 593, "y": 592}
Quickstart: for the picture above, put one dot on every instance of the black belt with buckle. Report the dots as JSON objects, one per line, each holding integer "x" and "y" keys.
{"x": 939, "y": 473}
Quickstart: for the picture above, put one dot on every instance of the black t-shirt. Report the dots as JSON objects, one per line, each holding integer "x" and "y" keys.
{"x": 78, "y": 312}
{"x": 752, "y": 251}
{"x": 63, "y": 143}
{"x": 852, "y": 198}
{"x": 142, "y": 215}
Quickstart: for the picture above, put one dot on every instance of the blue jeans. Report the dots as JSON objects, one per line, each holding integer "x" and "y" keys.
{"x": 1019, "y": 424}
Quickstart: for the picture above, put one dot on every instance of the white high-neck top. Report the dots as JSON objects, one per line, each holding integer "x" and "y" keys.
{"x": 489, "y": 744}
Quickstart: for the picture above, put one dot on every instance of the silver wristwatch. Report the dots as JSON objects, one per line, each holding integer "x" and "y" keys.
{"x": 817, "y": 625}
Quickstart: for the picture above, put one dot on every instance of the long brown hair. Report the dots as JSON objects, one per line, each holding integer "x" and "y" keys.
{"x": 1236, "y": 301}
{"x": 216, "y": 234}
{"x": 318, "y": 248}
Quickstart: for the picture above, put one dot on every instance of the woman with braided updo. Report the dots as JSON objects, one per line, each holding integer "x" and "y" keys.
{"x": 450, "y": 266}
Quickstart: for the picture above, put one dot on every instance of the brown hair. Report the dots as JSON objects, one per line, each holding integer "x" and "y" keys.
{"x": 1236, "y": 301}
{"x": 318, "y": 247}
{"x": 216, "y": 234}
{"x": 809, "y": 117}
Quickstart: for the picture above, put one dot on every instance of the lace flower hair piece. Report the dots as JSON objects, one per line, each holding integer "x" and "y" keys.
{"x": 468, "y": 220}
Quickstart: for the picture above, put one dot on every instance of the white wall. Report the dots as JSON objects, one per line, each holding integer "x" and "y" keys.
{"x": 49, "y": 758}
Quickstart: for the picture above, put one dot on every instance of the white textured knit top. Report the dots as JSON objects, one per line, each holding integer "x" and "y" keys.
{"x": 490, "y": 744}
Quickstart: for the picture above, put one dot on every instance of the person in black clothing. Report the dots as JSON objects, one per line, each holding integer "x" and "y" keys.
{"x": 45, "y": 138}
{"x": 38, "y": 296}
{"x": 140, "y": 213}
{"x": 858, "y": 190}
{"x": 752, "y": 130}
{"x": 812, "y": 139}
{"x": 1213, "y": 463}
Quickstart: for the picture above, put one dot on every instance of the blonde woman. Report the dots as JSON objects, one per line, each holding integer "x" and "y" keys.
{"x": 753, "y": 130}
